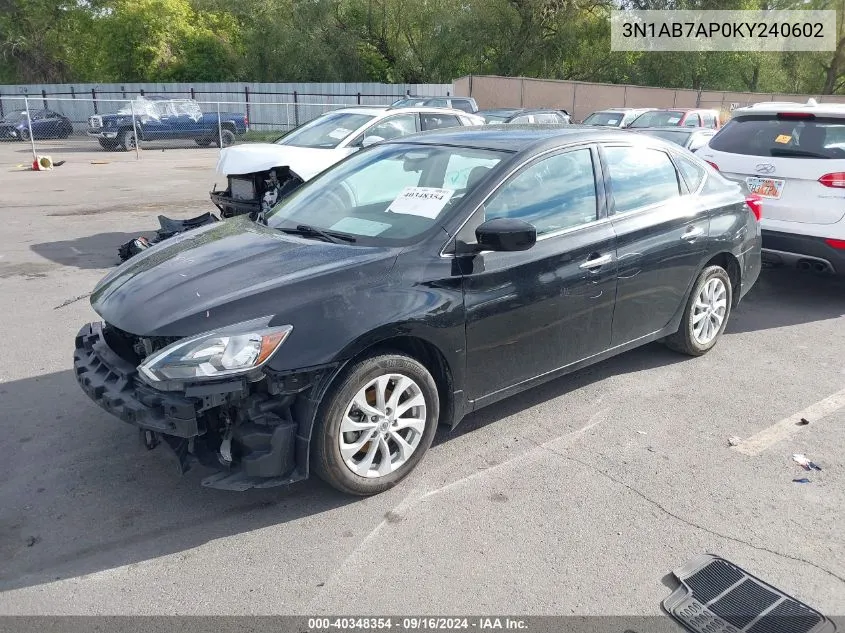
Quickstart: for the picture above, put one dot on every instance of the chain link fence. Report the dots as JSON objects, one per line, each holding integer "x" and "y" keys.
{"x": 141, "y": 122}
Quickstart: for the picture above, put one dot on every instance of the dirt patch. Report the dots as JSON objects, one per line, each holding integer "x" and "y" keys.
{"x": 34, "y": 270}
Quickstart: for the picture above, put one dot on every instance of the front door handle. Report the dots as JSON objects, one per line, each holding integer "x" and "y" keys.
{"x": 692, "y": 233}
{"x": 597, "y": 262}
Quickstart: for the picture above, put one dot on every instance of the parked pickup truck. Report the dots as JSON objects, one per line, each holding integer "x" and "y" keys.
{"x": 159, "y": 118}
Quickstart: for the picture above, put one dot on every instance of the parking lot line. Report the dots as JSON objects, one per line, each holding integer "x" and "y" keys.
{"x": 791, "y": 425}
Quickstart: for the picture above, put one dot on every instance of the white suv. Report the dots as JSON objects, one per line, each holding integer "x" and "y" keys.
{"x": 793, "y": 156}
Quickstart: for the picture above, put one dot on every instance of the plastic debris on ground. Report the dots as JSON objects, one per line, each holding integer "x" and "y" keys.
{"x": 803, "y": 422}
{"x": 803, "y": 480}
{"x": 734, "y": 441}
{"x": 168, "y": 228}
{"x": 805, "y": 463}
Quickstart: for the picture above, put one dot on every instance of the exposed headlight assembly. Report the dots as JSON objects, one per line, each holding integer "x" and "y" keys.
{"x": 235, "y": 350}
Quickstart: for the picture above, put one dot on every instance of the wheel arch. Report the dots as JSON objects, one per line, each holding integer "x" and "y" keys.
{"x": 308, "y": 406}
{"x": 730, "y": 263}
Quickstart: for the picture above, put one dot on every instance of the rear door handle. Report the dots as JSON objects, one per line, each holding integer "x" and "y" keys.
{"x": 692, "y": 233}
{"x": 597, "y": 262}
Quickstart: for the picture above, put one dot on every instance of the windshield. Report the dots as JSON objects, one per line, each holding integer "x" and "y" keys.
{"x": 389, "y": 194}
{"x": 613, "y": 119}
{"x": 675, "y": 136}
{"x": 326, "y": 131}
{"x": 658, "y": 118}
{"x": 140, "y": 106}
{"x": 407, "y": 103}
{"x": 770, "y": 136}
{"x": 14, "y": 117}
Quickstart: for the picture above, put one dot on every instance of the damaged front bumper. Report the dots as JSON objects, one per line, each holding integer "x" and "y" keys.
{"x": 244, "y": 431}
{"x": 231, "y": 207}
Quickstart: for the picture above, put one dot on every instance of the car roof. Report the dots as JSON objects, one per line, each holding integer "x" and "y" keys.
{"x": 673, "y": 128}
{"x": 776, "y": 107}
{"x": 517, "y": 138}
{"x": 384, "y": 110}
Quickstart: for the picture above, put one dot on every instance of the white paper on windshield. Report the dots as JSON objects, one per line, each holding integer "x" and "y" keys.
{"x": 340, "y": 133}
{"x": 674, "y": 119}
{"x": 612, "y": 121}
{"x": 426, "y": 202}
{"x": 359, "y": 226}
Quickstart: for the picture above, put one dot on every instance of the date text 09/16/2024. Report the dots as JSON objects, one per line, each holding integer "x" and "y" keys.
{"x": 417, "y": 623}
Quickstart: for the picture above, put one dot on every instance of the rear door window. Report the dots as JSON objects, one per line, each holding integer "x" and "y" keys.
{"x": 640, "y": 177}
{"x": 462, "y": 104}
{"x": 692, "y": 120}
{"x": 767, "y": 135}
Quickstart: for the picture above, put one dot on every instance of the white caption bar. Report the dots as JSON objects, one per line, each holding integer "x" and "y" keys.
{"x": 690, "y": 31}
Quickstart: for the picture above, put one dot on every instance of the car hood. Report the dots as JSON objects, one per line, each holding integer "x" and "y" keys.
{"x": 305, "y": 162}
{"x": 229, "y": 272}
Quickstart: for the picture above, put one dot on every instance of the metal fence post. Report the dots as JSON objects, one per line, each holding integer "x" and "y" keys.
{"x": 44, "y": 97}
{"x": 246, "y": 96}
{"x": 94, "y": 98}
{"x": 295, "y": 110}
{"x": 219, "y": 129}
{"x": 135, "y": 131}
{"x": 29, "y": 126}
{"x": 287, "y": 117}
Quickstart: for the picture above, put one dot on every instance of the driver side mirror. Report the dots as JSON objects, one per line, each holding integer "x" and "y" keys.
{"x": 505, "y": 234}
{"x": 371, "y": 140}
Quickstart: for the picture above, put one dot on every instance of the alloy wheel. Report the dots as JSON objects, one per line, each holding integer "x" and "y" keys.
{"x": 382, "y": 425}
{"x": 709, "y": 311}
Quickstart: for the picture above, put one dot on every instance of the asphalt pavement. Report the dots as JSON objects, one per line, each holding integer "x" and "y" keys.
{"x": 576, "y": 497}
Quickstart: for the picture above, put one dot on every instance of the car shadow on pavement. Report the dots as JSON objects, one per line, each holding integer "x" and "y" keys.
{"x": 80, "y": 494}
{"x": 640, "y": 359}
{"x": 783, "y": 297}
{"x": 90, "y": 252}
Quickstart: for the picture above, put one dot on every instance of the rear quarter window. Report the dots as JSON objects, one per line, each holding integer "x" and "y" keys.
{"x": 692, "y": 173}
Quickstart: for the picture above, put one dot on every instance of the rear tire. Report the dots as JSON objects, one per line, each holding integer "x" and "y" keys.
{"x": 24, "y": 134}
{"x": 375, "y": 424}
{"x": 227, "y": 136}
{"x": 203, "y": 142}
{"x": 706, "y": 313}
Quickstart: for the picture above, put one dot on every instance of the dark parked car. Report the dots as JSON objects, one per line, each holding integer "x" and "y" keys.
{"x": 336, "y": 334}
{"x": 158, "y": 118}
{"x": 691, "y": 138}
{"x": 467, "y": 104}
{"x": 45, "y": 124}
{"x": 519, "y": 116}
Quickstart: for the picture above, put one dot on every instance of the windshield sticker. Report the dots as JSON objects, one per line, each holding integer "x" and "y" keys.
{"x": 340, "y": 133}
{"x": 674, "y": 119}
{"x": 783, "y": 138}
{"x": 426, "y": 202}
{"x": 359, "y": 226}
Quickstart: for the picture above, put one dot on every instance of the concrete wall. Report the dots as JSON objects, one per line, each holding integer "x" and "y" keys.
{"x": 580, "y": 98}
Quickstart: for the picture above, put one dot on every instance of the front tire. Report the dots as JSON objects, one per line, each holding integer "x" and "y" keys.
{"x": 706, "y": 313}
{"x": 375, "y": 424}
{"x": 24, "y": 134}
{"x": 128, "y": 140}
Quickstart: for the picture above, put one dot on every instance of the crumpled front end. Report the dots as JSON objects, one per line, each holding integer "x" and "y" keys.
{"x": 245, "y": 430}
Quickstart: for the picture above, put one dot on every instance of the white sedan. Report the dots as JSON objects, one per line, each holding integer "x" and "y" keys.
{"x": 259, "y": 174}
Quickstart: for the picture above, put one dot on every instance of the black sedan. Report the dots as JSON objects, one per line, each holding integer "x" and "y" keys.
{"x": 521, "y": 116}
{"x": 44, "y": 124}
{"x": 412, "y": 283}
{"x": 691, "y": 138}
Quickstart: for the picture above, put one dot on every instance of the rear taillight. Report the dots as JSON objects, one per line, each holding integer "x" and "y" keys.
{"x": 755, "y": 203}
{"x": 836, "y": 179}
{"x": 246, "y": 121}
{"x": 713, "y": 165}
{"x": 840, "y": 244}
